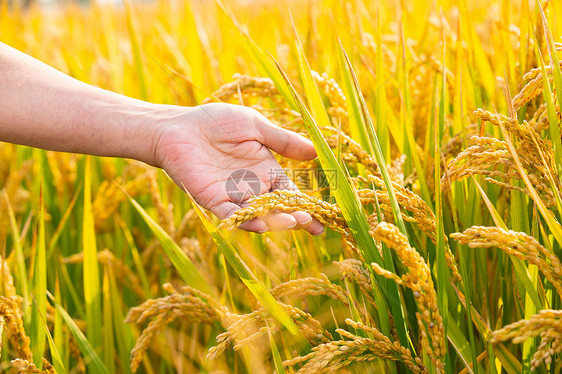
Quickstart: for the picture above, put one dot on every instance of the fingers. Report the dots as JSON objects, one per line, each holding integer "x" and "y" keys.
{"x": 226, "y": 209}
{"x": 305, "y": 221}
{"x": 274, "y": 221}
{"x": 284, "y": 142}
{"x": 257, "y": 225}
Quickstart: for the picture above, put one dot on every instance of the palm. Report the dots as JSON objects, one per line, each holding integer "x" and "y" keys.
{"x": 219, "y": 140}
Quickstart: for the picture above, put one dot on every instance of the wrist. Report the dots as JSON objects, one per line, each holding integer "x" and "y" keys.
{"x": 155, "y": 122}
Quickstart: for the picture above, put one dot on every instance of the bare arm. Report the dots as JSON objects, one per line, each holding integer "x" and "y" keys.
{"x": 198, "y": 147}
{"x": 42, "y": 107}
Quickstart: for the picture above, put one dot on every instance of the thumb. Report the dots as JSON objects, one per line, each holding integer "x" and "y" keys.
{"x": 286, "y": 143}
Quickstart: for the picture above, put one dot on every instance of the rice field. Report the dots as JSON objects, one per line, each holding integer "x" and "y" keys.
{"x": 437, "y": 128}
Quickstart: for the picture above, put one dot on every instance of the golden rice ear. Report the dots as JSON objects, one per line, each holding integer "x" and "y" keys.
{"x": 418, "y": 279}
{"x": 546, "y": 324}
{"x": 288, "y": 200}
{"x": 7, "y": 288}
{"x": 187, "y": 304}
{"x": 518, "y": 244}
{"x": 13, "y": 325}
{"x": 337, "y": 354}
{"x": 247, "y": 328}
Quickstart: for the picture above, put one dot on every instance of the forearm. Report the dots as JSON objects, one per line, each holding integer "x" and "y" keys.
{"x": 42, "y": 107}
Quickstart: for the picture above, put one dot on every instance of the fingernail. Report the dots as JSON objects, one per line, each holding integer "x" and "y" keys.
{"x": 293, "y": 225}
{"x": 320, "y": 232}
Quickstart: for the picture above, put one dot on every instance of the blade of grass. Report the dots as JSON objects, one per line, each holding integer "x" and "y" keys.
{"x": 123, "y": 331}
{"x": 21, "y": 279}
{"x": 39, "y": 291}
{"x": 277, "y": 361}
{"x": 91, "y": 276}
{"x": 95, "y": 364}
{"x": 554, "y": 130}
{"x": 62, "y": 223}
{"x": 55, "y": 356}
{"x": 441, "y": 267}
{"x": 108, "y": 330}
{"x": 187, "y": 270}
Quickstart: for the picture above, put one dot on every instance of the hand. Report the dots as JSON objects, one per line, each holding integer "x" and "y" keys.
{"x": 201, "y": 147}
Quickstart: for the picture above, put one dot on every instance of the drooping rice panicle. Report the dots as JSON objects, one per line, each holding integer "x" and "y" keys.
{"x": 528, "y": 138}
{"x": 286, "y": 200}
{"x": 247, "y": 86}
{"x": 8, "y": 288}
{"x": 186, "y": 303}
{"x": 354, "y": 271}
{"x": 356, "y": 152}
{"x": 301, "y": 287}
{"x": 534, "y": 87}
{"x": 422, "y": 215}
{"x": 109, "y": 196}
{"x": 13, "y": 325}
{"x": 26, "y": 366}
{"x": 518, "y": 244}
{"x": 418, "y": 279}
{"x": 249, "y": 327}
{"x": 547, "y": 324}
{"x": 368, "y": 42}
{"x": 335, "y": 95}
{"x": 491, "y": 158}
{"x": 334, "y": 355}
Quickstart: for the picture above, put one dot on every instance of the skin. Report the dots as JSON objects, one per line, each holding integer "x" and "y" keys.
{"x": 198, "y": 147}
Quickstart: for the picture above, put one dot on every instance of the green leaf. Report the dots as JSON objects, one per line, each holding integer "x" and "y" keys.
{"x": 553, "y": 119}
{"x": 92, "y": 290}
{"x": 95, "y": 364}
{"x": 39, "y": 281}
{"x": 187, "y": 270}
{"x": 21, "y": 278}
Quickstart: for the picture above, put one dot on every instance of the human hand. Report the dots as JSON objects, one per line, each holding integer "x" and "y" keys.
{"x": 200, "y": 148}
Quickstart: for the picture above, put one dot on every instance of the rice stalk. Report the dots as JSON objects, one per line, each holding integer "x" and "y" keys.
{"x": 107, "y": 258}
{"x": 418, "y": 279}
